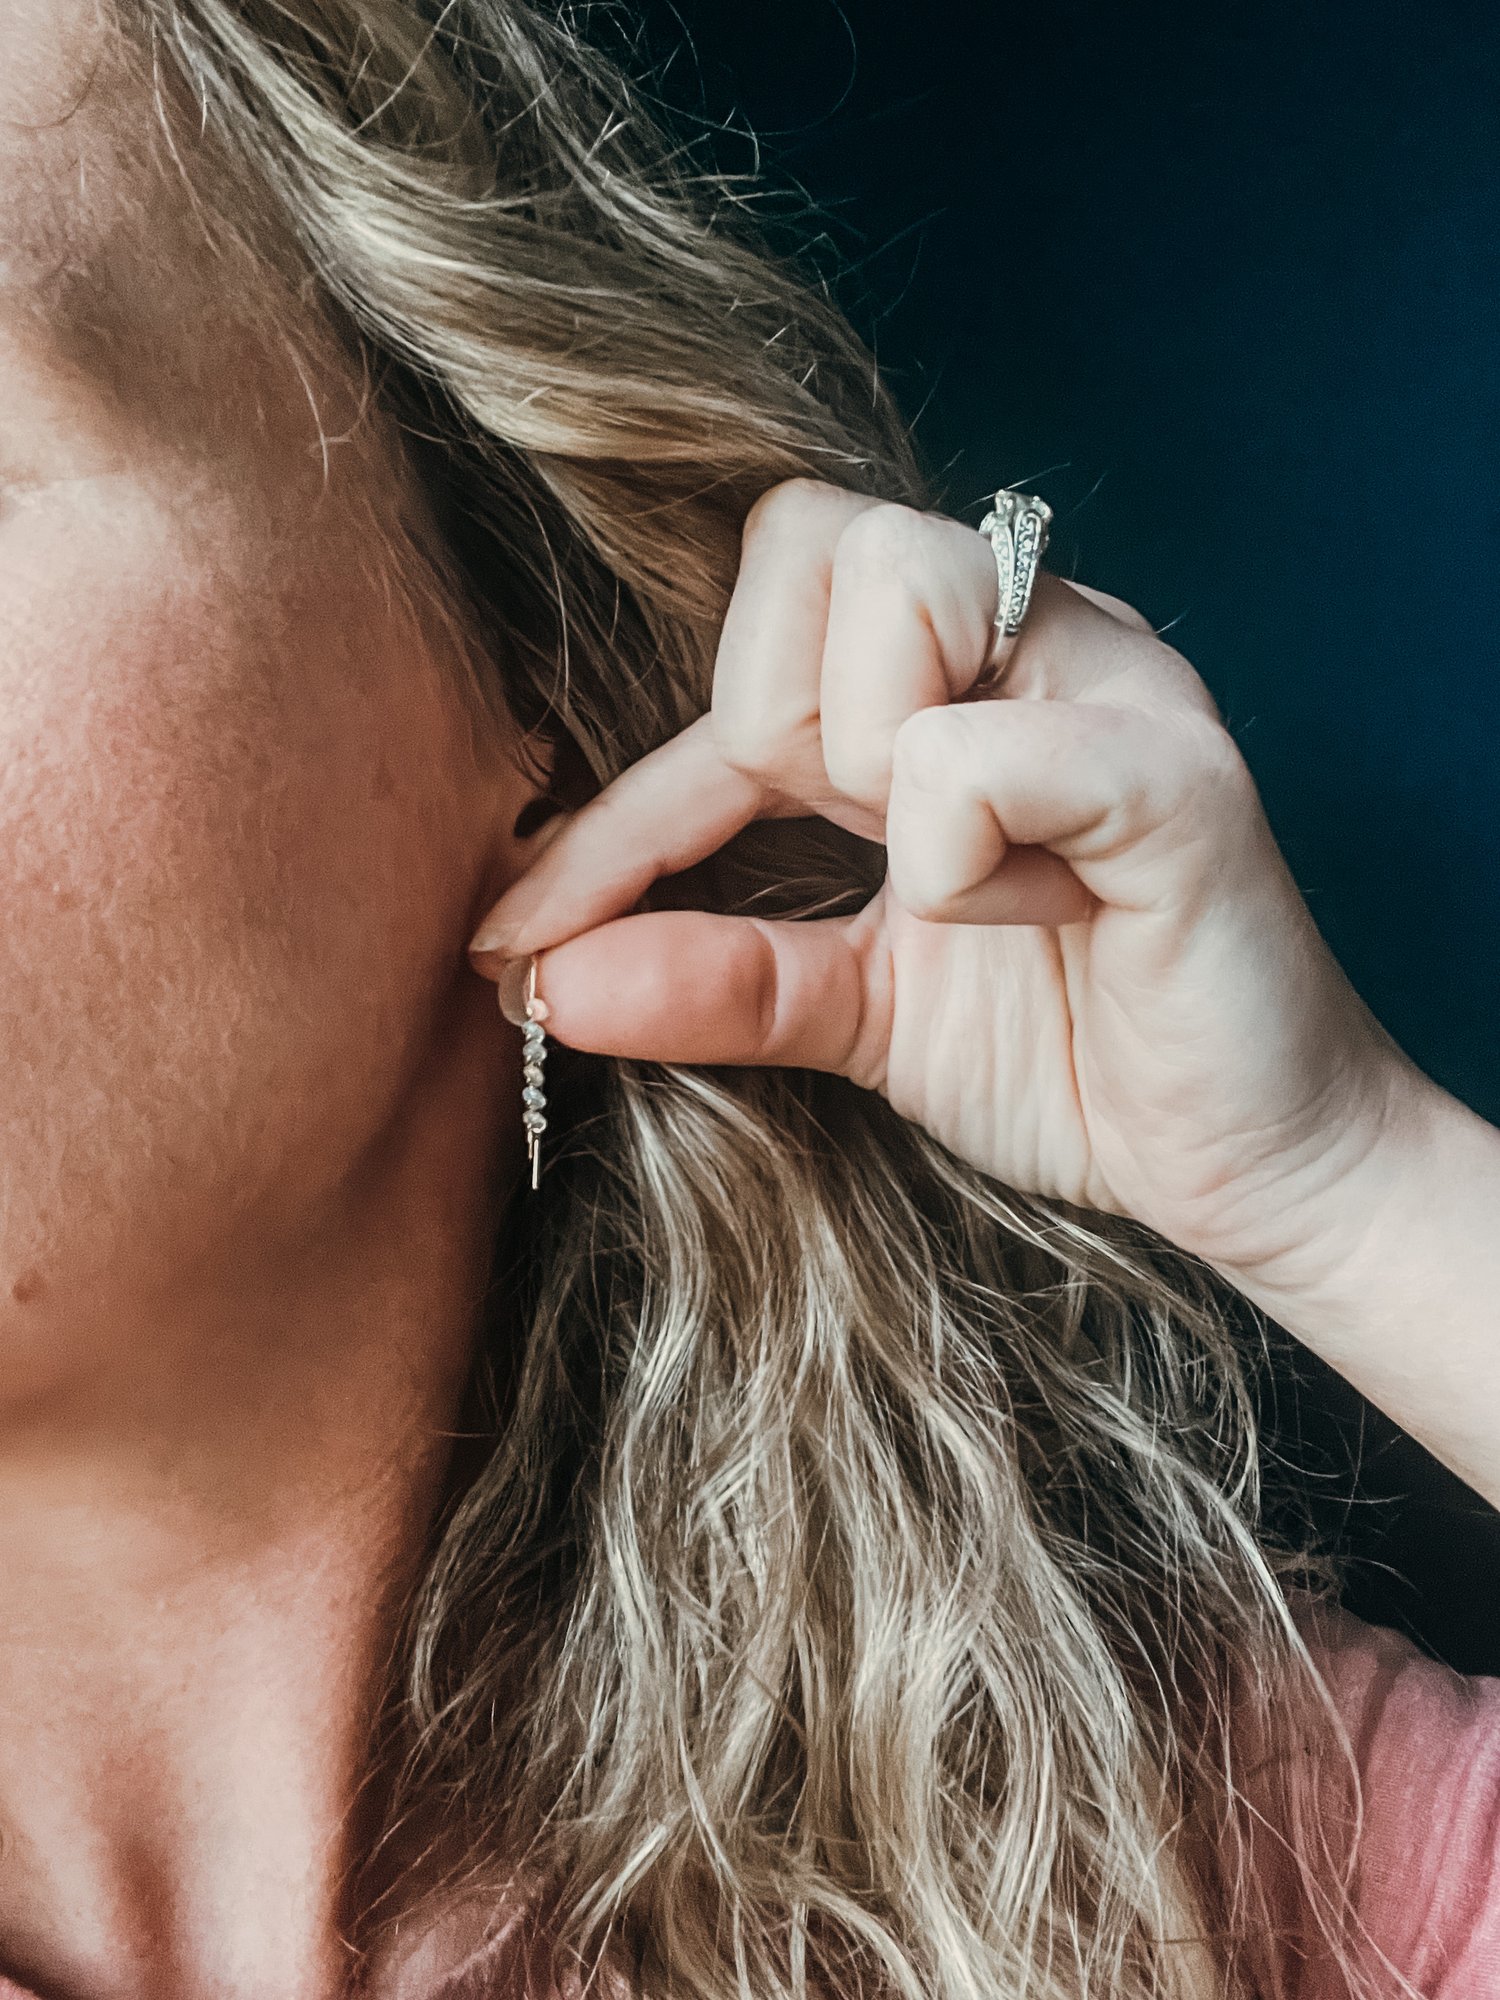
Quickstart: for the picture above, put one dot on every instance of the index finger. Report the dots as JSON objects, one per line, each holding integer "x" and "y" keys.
{"x": 676, "y": 805}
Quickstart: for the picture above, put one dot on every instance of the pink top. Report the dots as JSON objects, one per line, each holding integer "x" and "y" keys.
{"x": 1428, "y": 1745}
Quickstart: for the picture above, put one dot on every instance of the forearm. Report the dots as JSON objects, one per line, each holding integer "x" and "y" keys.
{"x": 1406, "y": 1301}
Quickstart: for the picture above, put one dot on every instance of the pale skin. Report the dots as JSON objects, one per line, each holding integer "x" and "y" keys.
{"x": 1089, "y": 972}
{"x": 252, "y": 1086}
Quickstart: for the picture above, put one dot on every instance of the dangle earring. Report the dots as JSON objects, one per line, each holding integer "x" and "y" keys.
{"x": 533, "y": 1055}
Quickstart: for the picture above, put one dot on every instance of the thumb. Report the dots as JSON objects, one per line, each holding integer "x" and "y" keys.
{"x": 690, "y": 986}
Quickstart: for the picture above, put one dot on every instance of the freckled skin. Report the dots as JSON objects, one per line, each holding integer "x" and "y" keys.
{"x": 242, "y": 819}
{"x": 230, "y": 856}
{"x": 255, "y": 1105}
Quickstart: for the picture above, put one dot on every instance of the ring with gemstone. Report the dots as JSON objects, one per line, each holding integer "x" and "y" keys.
{"x": 1016, "y": 528}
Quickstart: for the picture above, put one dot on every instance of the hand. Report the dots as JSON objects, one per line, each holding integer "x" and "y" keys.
{"x": 1088, "y": 971}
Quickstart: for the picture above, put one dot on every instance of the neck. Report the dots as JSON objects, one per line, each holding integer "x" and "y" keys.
{"x": 206, "y": 1546}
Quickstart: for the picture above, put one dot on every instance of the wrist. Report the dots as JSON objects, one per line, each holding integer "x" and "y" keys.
{"x": 1396, "y": 1281}
{"x": 1285, "y": 1207}
{"x": 1352, "y": 1202}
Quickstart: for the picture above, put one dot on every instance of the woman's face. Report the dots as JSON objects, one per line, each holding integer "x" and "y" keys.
{"x": 243, "y": 824}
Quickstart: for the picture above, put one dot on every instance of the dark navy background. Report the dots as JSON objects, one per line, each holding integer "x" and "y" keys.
{"x": 1223, "y": 283}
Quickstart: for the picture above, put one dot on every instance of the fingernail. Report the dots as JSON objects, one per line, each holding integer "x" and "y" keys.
{"x": 490, "y": 936}
{"x": 512, "y": 987}
{"x": 515, "y": 977}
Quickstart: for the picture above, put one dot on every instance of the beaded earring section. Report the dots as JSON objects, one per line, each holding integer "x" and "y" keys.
{"x": 533, "y": 1097}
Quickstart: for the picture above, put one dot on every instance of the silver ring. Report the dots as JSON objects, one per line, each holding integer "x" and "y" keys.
{"x": 1016, "y": 528}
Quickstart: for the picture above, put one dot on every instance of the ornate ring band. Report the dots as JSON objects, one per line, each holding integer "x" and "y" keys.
{"x": 1016, "y": 528}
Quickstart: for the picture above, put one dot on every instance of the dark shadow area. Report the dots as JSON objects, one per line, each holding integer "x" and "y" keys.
{"x": 1223, "y": 283}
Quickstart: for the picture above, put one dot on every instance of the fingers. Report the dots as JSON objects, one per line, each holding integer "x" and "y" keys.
{"x": 768, "y": 666}
{"x": 847, "y": 615}
{"x": 1034, "y": 812}
{"x": 1021, "y": 812}
{"x": 673, "y": 808}
{"x": 686, "y": 986}
{"x": 911, "y": 609}
{"x": 850, "y": 621}
{"x": 872, "y": 607}
{"x": 1000, "y": 813}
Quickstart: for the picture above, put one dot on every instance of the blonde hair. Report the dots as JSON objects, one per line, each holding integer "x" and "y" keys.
{"x": 864, "y": 1588}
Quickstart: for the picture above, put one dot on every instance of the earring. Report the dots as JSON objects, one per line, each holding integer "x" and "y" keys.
{"x": 533, "y": 1054}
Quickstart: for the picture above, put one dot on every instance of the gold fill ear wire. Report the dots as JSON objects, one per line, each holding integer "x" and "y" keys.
{"x": 533, "y": 1097}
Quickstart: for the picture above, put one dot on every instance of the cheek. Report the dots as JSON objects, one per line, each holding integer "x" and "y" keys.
{"x": 235, "y": 890}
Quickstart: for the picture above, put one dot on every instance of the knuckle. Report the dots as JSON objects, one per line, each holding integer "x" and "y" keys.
{"x": 927, "y": 750}
{"x": 1214, "y": 771}
{"x": 858, "y": 769}
{"x": 786, "y": 507}
{"x": 925, "y": 866}
{"x": 1173, "y": 670}
{"x": 749, "y": 741}
{"x": 1200, "y": 774}
{"x": 884, "y": 541}
{"x": 917, "y": 892}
